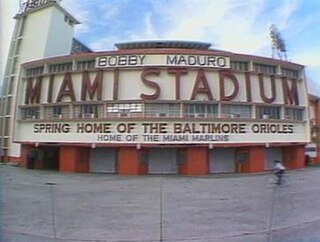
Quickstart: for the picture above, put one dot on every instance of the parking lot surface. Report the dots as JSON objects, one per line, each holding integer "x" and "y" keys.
{"x": 41, "y": 206}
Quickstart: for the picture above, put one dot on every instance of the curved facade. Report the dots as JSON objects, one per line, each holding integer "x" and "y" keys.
{"x": 163, "y": 107}
{"x": 157, "y": 107}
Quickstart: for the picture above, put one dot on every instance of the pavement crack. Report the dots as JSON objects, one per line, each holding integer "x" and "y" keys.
{"x": 53, "y": 212}
{"x": 161, "y": 207}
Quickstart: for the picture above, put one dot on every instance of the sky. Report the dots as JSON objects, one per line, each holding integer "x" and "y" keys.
{"x": 240, "y": 26}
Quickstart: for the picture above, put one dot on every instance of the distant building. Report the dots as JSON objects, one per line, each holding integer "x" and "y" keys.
{"x": 149, "y": 107}
{"x": 313, "y": 148}
{"x": 78, "y": 47}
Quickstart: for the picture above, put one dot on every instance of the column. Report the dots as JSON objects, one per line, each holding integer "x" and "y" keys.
{"x": 196, "y": 162}
{"x": 129, "y": 161}
{"x": 293, "y": 157}
{"x": 256, "y": 162}
{"x": 74, "y": 159}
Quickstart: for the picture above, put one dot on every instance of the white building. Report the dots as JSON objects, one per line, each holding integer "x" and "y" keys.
{"x": 34, "y": 37}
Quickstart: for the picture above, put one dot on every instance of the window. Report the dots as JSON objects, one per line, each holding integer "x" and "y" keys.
{"x": 162, "y": 110}
{"x": 11, "y": 84}
{"x": 200, "y": 110}
{"x": 268, "y": 112}
{"x": 35, "y": 71}
{"x": 30, "y": 113}
{"x": 8, "y": 106}
{"x": 294, "y": 114}
{"x": 236, "y": 111}
{"x": 239, "y": 65}
{"x": 88, "y": 110}
{"x": 84, "y": 65}
{"x": 58, "y": 111}
{"x": 70, "y": 22}
{"x": 60, "y": 67}
{"x": 123, "y": 109}
{"x": 290, "y": 73}
{"x": 265, "y": 69}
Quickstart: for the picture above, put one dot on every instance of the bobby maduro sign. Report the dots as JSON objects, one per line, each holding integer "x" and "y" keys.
{"x": 132, "y": 60}
{"x": 162, "y": 132}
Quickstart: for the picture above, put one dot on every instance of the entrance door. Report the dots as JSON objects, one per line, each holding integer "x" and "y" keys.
{"x": 50, "y": 158}
{"x": 32, "y": 158}
{"x": 162, "y": 161}
{"x": 222, "y": 160}
{"x": 273, "y": 153}
{"x": 103, "y": 160}
{"x": 242, "y": 158}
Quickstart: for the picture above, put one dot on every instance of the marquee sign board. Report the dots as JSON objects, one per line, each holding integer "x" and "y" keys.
{"x": 141, "y": 132}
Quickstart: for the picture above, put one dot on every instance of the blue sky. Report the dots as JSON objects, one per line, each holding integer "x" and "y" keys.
{"x": 240, "y": 26}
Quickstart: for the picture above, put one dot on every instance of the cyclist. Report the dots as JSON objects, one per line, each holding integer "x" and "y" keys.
{"x": 278, "y": 170}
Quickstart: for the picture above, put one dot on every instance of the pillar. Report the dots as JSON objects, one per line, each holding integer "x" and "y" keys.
{"x": 129, "y": 161}
{"x": 317, "y": 127}
{"x": 25, "y": 150}
{"x": 256, "y": 159}
{"x": 196, "y": 162}
{"x": 74, "y": 159}
{"x": 317, "y": 159}
{"x": 293, "y": 157}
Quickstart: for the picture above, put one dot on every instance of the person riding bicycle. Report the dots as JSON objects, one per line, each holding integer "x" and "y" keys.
{"x": 278, "y": 170}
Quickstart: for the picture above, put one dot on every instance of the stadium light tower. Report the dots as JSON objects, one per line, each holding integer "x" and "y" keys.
{"x": 277, "y": 43}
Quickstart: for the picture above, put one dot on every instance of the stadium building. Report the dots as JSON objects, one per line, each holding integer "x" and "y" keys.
{"x": 149, "y": 107}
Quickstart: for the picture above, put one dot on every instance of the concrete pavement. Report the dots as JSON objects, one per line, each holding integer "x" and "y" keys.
{"x": 41, "y": 206}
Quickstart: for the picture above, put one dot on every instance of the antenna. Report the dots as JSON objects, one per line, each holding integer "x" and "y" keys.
{"x": 277, "y": 43}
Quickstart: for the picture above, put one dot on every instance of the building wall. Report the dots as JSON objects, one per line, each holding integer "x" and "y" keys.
{"x": 34, "y": 37}
{"x": 59, "y": 26}
{"x": 33, "y": 45}
{"x": 130, "y": 161}
{"x": 49, "y": 23}
{"x": 314, "y": 108}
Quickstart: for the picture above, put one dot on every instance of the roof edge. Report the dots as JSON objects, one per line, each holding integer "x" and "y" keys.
{"x": 148, "y": 44}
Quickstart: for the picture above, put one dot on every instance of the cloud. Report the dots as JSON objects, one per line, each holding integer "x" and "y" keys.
{"x": 82, "y": 12}
{"x": 150, "y": 29}
{"x": 110, "y": 10}
{"x": 238, "y": 26}
{"x": 309, "y": 58}
{"x": 103, "y": 44}
{"x": 284, "y": 12}
{"x": 227, "y": 24}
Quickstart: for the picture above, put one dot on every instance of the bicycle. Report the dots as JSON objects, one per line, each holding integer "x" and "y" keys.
{"x": 279, "y": 174}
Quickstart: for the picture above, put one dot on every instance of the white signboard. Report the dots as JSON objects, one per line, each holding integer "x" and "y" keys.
{"x": 140, "y": 60}
{"x": 162, "y": 132}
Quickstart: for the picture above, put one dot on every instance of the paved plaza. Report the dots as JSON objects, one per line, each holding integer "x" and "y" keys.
{"x": 41, "y": 206}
